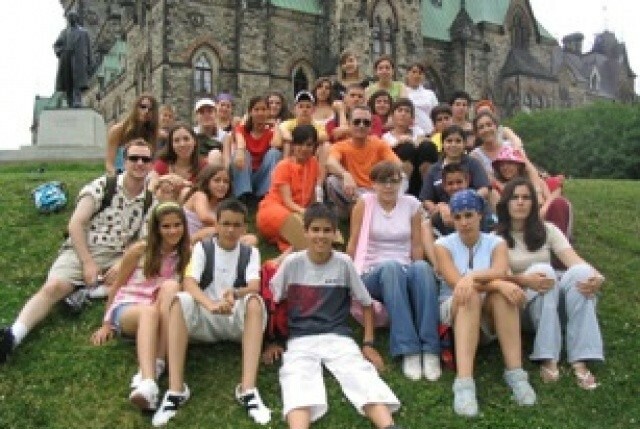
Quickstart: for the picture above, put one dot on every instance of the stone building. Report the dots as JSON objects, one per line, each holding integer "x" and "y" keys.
{"x": 181, "y": 50}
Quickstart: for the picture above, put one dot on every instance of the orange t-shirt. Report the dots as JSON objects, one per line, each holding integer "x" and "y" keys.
{"x": 301, "y": 178}
{"x": 359, "y": 160}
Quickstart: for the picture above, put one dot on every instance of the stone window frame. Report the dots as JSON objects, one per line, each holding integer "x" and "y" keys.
{"x": 384, "y": 26}
{"x": 520, "y": 31}
{"x": 200, "y": 58}
{"x": 304, "y": 68}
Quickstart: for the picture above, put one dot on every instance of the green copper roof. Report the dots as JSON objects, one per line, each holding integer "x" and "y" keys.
{"x": 306, "y": 6}
{"x": 436, "y": 20}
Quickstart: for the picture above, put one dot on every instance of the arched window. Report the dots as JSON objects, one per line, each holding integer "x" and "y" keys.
{"x": 519, "y": 31}
{"x": 300, "y": 81}
{"x": 383, "y": 30}
{"x": 202, "y": 76}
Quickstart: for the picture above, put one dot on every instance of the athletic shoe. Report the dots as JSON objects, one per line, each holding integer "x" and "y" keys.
{"x": 7, "y": 343}
{"x": 77, "y": 300}
{"x": 518, "y": 380}
{"x": 137, "y": 377}
{"x": 169, "y": 407}
{"x": 411, "y": 367}
{"x": 431, "y": 366}
{"x": 464, "y": 397}
{"x": 253, "y": 404}
{"x": 145, "y": 396}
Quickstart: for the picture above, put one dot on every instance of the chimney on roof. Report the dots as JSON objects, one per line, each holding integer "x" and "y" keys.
{"x": 573, "y": 43}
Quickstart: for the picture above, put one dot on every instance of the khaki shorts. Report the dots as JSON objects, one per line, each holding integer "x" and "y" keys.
{"x": 486, "y": 330}
{"x": 203, "y": 326}
{"x": 67, "y": 266}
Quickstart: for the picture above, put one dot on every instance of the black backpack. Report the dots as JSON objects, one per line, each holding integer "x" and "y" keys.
{"x": 208, "y": 245}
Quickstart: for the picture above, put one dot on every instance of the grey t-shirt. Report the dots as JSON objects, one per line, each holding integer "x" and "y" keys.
{"x": 319, "y": 296}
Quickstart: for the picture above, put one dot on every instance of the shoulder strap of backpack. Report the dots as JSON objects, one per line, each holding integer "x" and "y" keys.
{"x": 209, "y": 248}
{"x": 109, "y": 192}
{"x": 243, "y": 262}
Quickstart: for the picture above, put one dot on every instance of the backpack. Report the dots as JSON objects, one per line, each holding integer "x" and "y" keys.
{"x": 50, "y": 197}
{"x": 208, "y": 245}
{"x": 277, "y": 325}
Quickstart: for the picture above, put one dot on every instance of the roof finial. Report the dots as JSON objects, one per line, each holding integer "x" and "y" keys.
{"x": 463, "y": 5}
{"x": 605, "y": 17}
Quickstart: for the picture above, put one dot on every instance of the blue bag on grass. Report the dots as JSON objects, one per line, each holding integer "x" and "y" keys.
{"x": 50, "y": 197}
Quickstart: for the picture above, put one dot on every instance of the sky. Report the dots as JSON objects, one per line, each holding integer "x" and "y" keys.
{"x": 28, "y": 68}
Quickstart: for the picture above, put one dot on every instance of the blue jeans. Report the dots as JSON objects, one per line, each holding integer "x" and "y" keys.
{"x": 410, "y": 295}
{"x": 247, "y": 181}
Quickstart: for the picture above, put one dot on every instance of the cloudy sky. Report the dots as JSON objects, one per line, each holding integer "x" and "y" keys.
{"x": 28, "y": 64}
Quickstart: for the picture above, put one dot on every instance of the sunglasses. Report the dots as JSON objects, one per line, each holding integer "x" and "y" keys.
{"x": 144, "y": 106}
{"x": 361, "y": 122}
{"x": 136, "y": 158}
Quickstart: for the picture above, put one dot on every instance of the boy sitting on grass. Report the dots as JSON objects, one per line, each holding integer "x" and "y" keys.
{"x": 318, "y": 283}
{"x": 222, "y": 304}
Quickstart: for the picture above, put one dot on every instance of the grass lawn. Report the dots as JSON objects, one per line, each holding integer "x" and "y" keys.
{"x": 57, "y": 379}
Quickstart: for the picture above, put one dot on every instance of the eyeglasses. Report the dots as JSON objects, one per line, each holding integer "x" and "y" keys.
{"x": 465, "y": 215}
{"x": 136, "y": 158}
{"x": 144, "y": 106}
{"x": 389, "y": 181}
{"x": 361, "y": 122}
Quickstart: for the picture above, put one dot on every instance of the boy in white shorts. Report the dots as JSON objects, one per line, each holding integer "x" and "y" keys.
{"x": 220, "y": 302}
{"x": 318, "y": 284}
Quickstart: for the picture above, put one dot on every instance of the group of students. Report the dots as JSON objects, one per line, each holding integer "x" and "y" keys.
{"x": 450, "y": 224}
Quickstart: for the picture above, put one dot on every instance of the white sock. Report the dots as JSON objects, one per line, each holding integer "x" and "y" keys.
{"x": 19, "y": 331}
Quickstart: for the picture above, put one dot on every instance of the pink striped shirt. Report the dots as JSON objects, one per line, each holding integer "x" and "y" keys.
{"x": 141, "y": 290}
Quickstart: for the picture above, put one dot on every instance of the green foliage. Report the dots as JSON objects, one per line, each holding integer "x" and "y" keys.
{"x": 601, "y": 140}
{"x": 56, "y": 379}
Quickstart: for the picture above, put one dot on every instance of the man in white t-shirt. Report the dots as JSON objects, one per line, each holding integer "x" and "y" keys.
{"x": 220, "y": 302}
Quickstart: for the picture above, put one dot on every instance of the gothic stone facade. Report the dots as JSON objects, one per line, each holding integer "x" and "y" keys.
{"x": 181, "y": 50}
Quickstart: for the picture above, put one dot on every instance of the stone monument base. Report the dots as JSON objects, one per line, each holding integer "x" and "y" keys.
{"x": 64, "y": 134}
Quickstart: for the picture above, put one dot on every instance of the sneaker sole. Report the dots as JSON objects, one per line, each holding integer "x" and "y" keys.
{"x": 142, "y": 403}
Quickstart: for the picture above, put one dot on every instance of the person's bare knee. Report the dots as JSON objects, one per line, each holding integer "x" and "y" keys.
{"x": 55, "y": 289}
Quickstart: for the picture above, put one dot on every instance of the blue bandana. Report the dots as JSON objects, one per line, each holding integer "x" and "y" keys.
{"x": 464, "y": 200}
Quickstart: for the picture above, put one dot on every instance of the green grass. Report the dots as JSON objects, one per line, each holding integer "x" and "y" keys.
{"x": 56, "y": 379}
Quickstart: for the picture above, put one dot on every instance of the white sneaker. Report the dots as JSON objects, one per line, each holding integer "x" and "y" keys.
{"x": 431, "y": 366}
{"x": 411, "y": 367}
{"x": 99, "y": 292}
{"x": 169, "y": 407}
{"x": 137, "y": 377}
{"x": 253, "y": 403}
{"x": 145, "y": 396}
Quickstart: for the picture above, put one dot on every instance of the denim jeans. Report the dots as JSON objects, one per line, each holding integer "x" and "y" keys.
{"x": 247, "y": 181}
{"x": 410, "y": 295}
{"x": 563, "y": 306}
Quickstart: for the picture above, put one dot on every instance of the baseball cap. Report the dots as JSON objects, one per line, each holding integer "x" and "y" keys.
{"x": 204, "y": 102}
{"x": 304, "y": 96}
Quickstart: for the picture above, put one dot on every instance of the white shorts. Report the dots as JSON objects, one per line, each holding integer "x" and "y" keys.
{"x": 206, "y": 327}
{"x": 486, "y": 330}
{"x": 301, "y": 375}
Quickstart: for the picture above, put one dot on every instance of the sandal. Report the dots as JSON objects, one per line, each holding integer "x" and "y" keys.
{"x": 586, "y": 380}
{"x": 549, "y": 375}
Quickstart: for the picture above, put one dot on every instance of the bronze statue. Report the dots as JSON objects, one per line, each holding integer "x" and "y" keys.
{"x": 73, "y": 49}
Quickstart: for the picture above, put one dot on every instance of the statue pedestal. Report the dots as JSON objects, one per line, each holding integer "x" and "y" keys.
{"x": 71, "y": 127}
{"x": 64, "y": 134}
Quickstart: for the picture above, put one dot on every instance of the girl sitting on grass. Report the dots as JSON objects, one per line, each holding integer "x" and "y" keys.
{"x": 150, "y": 272}
{"x": 213, "y": 186}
